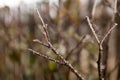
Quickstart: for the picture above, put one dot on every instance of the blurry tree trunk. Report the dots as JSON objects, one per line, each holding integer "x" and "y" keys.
{"x": 118, "y": 41}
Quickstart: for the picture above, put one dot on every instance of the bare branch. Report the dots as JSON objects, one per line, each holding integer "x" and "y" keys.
{"x": 94, "y": 7}
{"x": 46, "y": 57}
{"x": 92, "y": 29}
{"x": 40, "y": 18}
{"x": 106, "y": 35}
{"x": 100, "y": 62}
{"x": 45, "y": 32}
{"x": 115, "y": 7}
{"x": 76, "y": 47}
{"x": 50, "y": 46}
{"x": 38, "y": 41}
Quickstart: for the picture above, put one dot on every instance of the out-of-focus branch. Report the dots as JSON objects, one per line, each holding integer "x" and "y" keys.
{"x": 115, "y": 7}
{"x": 115, "y": 68}
{"x": 49, "y": 45}
{"x": 100, "y": 62}
{"x": 94, "y": 7}
{"x": 76, "y": 47}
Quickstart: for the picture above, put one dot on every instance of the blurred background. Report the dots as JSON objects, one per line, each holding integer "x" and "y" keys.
{"x": 69, "y": 33}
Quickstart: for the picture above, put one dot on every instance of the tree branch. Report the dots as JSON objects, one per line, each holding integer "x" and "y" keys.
{"x": 100, "y": 62}
{"x": 76, "y": 47}
{"x": 106, "y": 35}
{"x": 46, "y": 57}
{"x": 38, "y": 41}
{"x": 50, "y": 46}
{"x": 115, "y": 7}
{"x": 94, "y": 7}
{"x": 92, "y": 29}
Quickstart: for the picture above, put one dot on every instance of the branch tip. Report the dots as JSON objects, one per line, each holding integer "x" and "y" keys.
{"x": 92, "y": 29}
{"x": 35, "y": 40}
{"x": 109, "y": 31}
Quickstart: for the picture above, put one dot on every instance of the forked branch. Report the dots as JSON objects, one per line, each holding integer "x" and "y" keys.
{"x": 100, "y": 62}
{"x": 49, "y": 45}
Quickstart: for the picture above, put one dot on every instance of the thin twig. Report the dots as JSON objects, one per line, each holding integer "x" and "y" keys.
{"x": 66, "y": 63}
{"x": 106, "y": 35}
{"x": 100, "y": 56}
{"x": 76, "y": 47}
{"x": 40, "y": 18}
{"x": 115, "y": 7}
{"x": 38, "y": 41}
{"x": 92, "y": 29}
{"x": 46, "y": 57}
{"x": 46, "y": 35}
{"x": 45, "y": 32}
{"x": 94, "y": 7}
{"x": 50, "y": 46}
{"x": 100, "y": 62}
